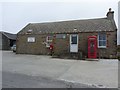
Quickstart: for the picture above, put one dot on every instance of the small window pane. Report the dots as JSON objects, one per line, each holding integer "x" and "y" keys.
{"x": 100, "y": 43}
{"x": 74, "y": 39}
{"x": 104, "y": 43}
{"x": 50, "y": 37}
{"x": 100, "y": 37}
{"x": 104, "y": 37}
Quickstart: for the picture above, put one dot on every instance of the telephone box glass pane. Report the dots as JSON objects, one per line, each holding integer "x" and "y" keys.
{"x": 92, "y": 47}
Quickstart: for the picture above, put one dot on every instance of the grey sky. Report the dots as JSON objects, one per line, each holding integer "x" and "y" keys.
{"x": 15, "y": 15}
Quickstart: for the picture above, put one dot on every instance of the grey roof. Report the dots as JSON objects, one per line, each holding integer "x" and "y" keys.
{"x": 9, "y": 35}
{"x": 88, "y": 25}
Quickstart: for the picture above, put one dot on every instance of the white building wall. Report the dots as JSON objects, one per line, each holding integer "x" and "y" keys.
{"x": 0, "y": 16}
{"x": 118, "y": 23}
{"x": 0, "y": 25}
{"x": 0, "y": 41}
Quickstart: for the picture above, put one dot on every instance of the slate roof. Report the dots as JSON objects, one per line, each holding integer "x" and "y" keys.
{"x": 9, "y": 35}
{"x": 88, "y": 25}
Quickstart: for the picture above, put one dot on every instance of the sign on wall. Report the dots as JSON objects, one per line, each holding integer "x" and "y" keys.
{"x": 61, "y": 36}
{"x": 31, "y": 39}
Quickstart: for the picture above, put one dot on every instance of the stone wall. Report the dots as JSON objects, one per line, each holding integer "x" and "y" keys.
{"x": 62, "y": 45}
{"x": 37, "y": 47}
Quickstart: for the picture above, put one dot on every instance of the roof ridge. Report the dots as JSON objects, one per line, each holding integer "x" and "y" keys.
{"x": 68, "y": 21}
{"x": 7, "y": 34}
{"x": 85, "y": 25}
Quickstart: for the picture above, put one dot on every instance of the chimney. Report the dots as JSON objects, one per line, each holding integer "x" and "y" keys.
{"x": 110, "y": 14}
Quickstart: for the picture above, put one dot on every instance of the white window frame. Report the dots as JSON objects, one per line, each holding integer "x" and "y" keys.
{"x": 31, "y": 39}
{"x": 60, "y": 36}
{"x": 73, "y": 47}
{"x": 102, "y": 40}
{"x": 48, "y": 41}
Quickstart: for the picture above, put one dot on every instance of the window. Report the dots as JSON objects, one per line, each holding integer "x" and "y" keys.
{"x": 102, "y": 40}
{"x": 61, "y": 36}
{"x": 31, "y": 39}
{"x": 49, "y": 40}
{"x": 74, "y": 39}
{"x": 30, "y": 30}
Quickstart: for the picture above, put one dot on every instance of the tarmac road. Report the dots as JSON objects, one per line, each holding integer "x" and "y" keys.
{"x": 14, "y": 80}
{"x": 45, "y": 72}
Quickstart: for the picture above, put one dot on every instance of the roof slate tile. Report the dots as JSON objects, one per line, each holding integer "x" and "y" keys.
{"x": 89, "y": 25}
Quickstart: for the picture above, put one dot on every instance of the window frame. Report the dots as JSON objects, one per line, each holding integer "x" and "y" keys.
{"x": 102, "y": 40}
{"x": 74, "y": 39}
{"x": 31, "y": 39}
{"x": 48, "y": 41}
{"x": 60, "y": 36}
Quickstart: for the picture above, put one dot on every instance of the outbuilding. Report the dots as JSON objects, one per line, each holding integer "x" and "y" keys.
{"x": 7, "y": 40}
{"x": 92, "y": 38}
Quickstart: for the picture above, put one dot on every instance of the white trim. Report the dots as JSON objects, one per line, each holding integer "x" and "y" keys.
{"x": 31, "y": 39}
{"x": 74, "y": 44}
{"x": 48, "y": 41}
{"x": 47, "y": 45}
{"x": 101, "y": 40}
{"x": 101, "y": 46}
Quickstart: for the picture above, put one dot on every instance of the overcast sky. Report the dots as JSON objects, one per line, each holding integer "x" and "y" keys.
{"x": 15, "y": 15}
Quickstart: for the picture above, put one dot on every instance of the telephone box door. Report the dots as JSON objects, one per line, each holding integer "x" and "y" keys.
{"x": 92, "y": 47}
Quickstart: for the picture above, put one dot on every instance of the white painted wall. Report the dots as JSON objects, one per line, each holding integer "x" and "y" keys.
{"x": 0, "y": 16}
{"x": 119, "y": 23}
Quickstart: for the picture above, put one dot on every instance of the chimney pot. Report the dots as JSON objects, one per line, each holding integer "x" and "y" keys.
{"x": 110, "y": 14}
{"x": 110, "y": 9}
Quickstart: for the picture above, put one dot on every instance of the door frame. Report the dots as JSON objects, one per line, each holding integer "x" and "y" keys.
{"x": 70, "y": 41}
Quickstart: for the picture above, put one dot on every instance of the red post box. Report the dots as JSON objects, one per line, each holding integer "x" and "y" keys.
{"x": 92, "y": 47}
{"x": 51, "y": 49}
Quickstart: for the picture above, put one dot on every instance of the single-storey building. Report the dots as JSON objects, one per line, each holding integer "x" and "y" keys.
{"x": 118, "y": 51}
{"x": 7, "y": 40}
{"x": 92, "y": 38}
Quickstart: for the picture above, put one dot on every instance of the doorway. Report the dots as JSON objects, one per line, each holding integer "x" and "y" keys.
{"x": 74, "y": 43}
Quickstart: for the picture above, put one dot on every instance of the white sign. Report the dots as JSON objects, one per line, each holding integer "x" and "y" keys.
{"x": 31, "y": 39}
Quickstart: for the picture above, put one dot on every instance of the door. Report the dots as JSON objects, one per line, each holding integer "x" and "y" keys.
{"x": 74, "y": 43}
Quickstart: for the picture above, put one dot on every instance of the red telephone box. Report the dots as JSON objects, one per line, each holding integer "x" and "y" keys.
{"x": 92, "y": 47}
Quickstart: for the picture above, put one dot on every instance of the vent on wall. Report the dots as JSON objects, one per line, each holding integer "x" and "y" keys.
{"x": 30, "y": 30}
